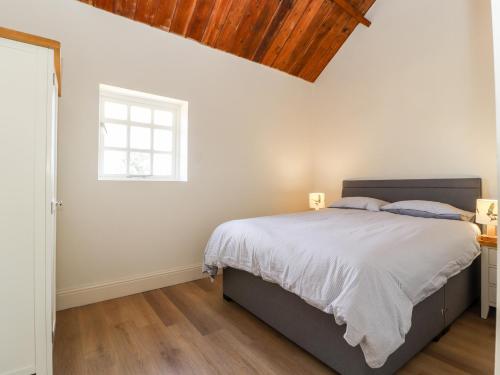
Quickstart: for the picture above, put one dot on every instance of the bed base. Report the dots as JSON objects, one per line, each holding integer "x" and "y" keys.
{"x": 317, "y": 332}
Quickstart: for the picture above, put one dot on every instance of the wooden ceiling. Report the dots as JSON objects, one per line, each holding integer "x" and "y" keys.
{"x": 299, "y": 37}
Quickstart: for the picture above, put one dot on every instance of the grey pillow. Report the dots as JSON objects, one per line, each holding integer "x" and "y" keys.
{"x": 417, "y": 213}
{"x": 360, "y": 203}
{"x": 429, "y": 209}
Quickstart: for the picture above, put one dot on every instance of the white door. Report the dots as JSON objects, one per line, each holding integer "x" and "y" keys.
{"x": 23, "y": 142}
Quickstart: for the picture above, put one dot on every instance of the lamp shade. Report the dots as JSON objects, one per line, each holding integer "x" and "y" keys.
{"x": 316, "y": 200}
{"x": 487, "y": 211}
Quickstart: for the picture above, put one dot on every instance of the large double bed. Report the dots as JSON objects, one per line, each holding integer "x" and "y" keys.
{"x": 362, "y": 291}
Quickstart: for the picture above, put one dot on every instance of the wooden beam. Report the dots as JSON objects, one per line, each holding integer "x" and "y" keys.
{"x": 19, "y": 36}
{"x": 348, "y": 8}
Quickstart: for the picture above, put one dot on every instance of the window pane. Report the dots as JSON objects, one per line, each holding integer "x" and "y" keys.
{"x": 114, "y": 135}
{"x": 163, "y": 140}
{"x": 162, "y": 165}
{"x": 140, "y": 114}
{"x": 140, "y": 138}
{"x": 114, "y": 162}
{"x": 163, "y": 118}
{"x": 115, "y": 111}
{"x": 140, "y": 163}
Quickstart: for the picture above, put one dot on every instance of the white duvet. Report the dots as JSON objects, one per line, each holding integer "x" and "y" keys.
{"x": 368, "y": 269}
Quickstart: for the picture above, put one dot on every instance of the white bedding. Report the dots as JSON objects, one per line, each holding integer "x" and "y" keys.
{"x": 368, "y": 269}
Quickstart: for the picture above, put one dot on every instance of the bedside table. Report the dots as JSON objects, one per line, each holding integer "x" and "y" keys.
{"x": 488, "y": 276}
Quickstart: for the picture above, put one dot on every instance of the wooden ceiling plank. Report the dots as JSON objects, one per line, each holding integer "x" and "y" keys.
{"x": 253, "y": 26}
{"x": 146, "y": 10}
{"x": 216, "y": 21}
{"x": 105, "y": 4}
{"x": 330, "y": 27}
{"x": 316, "y": 31}
{"x": 353, "y": 12}
{"x": 314, "y": 10}
{"x": 199, "y": 21}
{"x": 336, "y": 45}
{"x": 279, "y": 17}
{"x": 125, "y": 8}
{"x": 182, "y": 16}
{"x": 260, "y": 28}
{"x": 230, "y": 27}
{"x": 283, "y": 34}
{"x": 243, "y": 31}
{"x": 317, "y": 57}
{"x": 164, "y": 14}
{"x": 331, "y": 46}
{"x": 347, "y": 30}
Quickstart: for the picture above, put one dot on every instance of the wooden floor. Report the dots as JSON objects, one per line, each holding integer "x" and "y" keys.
{"x": 189, "y": 329}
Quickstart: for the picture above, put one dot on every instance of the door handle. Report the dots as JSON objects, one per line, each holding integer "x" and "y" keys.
{"x": 55, "y": 205}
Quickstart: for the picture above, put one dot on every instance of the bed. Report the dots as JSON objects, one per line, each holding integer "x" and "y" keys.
{"x": 315, "y": 330}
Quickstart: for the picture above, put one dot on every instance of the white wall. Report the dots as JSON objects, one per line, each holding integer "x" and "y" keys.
{"x": 248, "y": 143}
{"x": 411, "y": 96}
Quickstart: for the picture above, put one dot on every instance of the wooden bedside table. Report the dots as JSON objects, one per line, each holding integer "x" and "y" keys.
{"x": 488, "y": 275}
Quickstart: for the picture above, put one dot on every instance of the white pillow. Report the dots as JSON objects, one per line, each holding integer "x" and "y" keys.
{"x": 429, "y": 209}
{"x": 361, "y": 203}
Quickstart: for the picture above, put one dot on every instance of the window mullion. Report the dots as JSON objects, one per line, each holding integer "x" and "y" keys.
{"x": 128, "y": 140}
{"x": 114, "y": 148}
{"x": 114, "y": 121}
{"x": 151, "y": 146}
{"x": 175, "y": 144}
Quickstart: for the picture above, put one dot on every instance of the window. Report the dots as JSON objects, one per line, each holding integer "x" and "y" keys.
{"x": 141, "y": 136}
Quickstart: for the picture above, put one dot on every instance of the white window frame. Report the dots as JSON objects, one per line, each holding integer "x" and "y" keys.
{"x": 153, "y": 102}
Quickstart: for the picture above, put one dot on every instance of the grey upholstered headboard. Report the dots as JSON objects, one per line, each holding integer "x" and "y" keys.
{"x": 459, "y": 192}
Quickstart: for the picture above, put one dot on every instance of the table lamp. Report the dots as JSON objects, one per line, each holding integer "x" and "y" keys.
{"x": 316, "y": 200}
{"x": 487, "y": 214}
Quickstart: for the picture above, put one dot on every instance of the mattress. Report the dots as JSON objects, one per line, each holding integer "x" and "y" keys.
{"x": 366, "y": 269}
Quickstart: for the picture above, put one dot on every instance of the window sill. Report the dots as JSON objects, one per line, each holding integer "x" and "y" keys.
{"x": 141, "y": 179}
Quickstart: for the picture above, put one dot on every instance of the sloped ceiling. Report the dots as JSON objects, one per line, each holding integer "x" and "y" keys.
{"x": 299, "y": 37}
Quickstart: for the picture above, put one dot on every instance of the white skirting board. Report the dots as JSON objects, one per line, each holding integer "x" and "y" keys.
{"x": 67, "y": 298}
{"x": 23, "y": 371}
